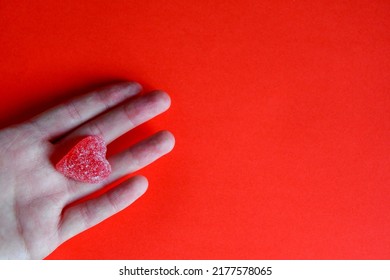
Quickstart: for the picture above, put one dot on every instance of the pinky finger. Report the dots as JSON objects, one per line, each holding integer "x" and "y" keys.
{"x": 87, "y": 214}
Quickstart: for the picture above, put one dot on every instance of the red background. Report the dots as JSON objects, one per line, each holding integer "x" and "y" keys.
{"x": 281, "y": 112}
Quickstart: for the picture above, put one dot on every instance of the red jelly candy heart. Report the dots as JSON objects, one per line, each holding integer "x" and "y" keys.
{"x": 86, "y": 162}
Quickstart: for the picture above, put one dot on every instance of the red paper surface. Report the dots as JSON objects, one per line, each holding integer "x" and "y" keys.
{"x": 281, "y": 112}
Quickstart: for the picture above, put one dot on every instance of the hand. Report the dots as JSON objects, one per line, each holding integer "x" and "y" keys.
{"x": 33, "y": 195}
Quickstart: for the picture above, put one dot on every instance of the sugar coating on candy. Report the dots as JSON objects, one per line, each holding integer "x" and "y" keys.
{"x": 86, "y": 161}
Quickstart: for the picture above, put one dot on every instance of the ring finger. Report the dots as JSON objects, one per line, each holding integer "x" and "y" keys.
{"x": 123, "y": 118}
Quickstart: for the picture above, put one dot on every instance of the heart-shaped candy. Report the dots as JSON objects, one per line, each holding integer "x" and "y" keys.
{"x": 86, "y": 162}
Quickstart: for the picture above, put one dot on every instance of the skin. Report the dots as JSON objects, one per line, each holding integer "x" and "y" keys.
{"x": 35, "y": 215}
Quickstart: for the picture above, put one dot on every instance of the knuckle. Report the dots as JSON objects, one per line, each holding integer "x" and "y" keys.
{"x": 95, "y": 129}
{"x": 73, "y": 111}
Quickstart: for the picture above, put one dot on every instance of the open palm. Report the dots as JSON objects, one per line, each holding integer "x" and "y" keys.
{"x": 34, "y": 217}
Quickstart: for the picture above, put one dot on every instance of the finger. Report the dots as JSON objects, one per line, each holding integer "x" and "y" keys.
{"x": 123, "y": 118}
{"x": 130, "y": 160}
{"x": 141, "y": 154}
{"x": 61, "y": 119}
{"x": 87, "y": 214}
